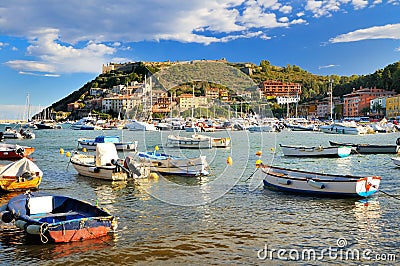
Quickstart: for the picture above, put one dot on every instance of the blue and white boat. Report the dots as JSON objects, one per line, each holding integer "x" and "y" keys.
{"x": 174, "y": 165}
{"x": 320, "y": 184}
{"x": 59, "y": 219}
{"x": 90, "y": 144}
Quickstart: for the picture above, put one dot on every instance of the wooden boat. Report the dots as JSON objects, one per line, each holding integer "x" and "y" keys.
{"x": 312, "y": 183}
{"x": 14, "y": 151}
{"x": 107, "y": 165}
{"x": 215, "y": 142}
{"x": 55, "y": 218}
{"x": 20, "y": 175}
{"x": 370, "y": 148}
{"x": 90, "y": 144}
{"x": 173, "y": 165}
{"x": 188, "y": 143}
{"x": 301, "y": 151}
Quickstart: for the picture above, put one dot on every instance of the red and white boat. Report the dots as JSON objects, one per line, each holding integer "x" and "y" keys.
{"x": 14, "y": 151}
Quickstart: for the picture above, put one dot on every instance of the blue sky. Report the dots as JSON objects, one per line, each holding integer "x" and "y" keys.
{"x": 50, "y": 48}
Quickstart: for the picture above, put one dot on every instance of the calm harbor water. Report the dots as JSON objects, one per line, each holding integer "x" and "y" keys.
{"x": 225, "y": 218}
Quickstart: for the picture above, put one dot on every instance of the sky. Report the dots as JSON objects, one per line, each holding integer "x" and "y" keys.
{"x": 50, "y": 48}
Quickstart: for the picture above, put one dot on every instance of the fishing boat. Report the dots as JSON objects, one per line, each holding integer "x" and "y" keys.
{"x": 302, "y": 151}
{"x": 188, "y": 142}
{"x": 57, "y": 219}
{"x": 20, "y": 175}
{"x": 322, "y": 184}
{"x": 174, "y": 165}
{"x": 215, "y": 142}
{"x": 107, "y": 165}
{"x": 370, "y": 148}
{"x": 10, "y": 151}
{"x": 90, "y": 144}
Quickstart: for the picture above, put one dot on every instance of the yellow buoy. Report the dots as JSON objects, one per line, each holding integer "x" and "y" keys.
{"x": 61, "y": 151}
{"x": 84, "y": 150}
{"x": 258, "y": 163}
{"x": 153, "y": 175}
{"x": 68, "y": 154}
{"x": 229, "y": 160}
{"x": 259, "y": 153}
{"x": 156, "y": 148}
{"x": 272, "y": 149}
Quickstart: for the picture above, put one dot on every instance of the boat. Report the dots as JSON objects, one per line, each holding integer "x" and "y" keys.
{"x": 107, "y": 165}
{"x": 27, "y": 134}
{"x": 302, "y": 151}
{"x": 370, "y": 148}
{"x": 10, "y": 133}
{"x": 135, "y": 125}
{"x": 90, "y": 144}
{"x": 343, "y": 128}
{"x": 56, "y": 218}
{"x": 215, "y": 142}
{"x": 47, "y": 124}
{"x": 20, "y": 175}
{"x": 14, "y": 151}
{"x": 86, "y": 123}
{"x": 321, "y": 184}
{"x": 396, "y": 160}
{"x": 174, "y": 165}
{"x": 188, "y": 143}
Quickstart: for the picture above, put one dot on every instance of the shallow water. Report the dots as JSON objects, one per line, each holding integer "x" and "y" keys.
{"x": 224, "y": 218}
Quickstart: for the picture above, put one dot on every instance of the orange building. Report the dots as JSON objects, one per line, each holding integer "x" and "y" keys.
{"x": 279, "y": 88}
{"x": 354, "y": 103}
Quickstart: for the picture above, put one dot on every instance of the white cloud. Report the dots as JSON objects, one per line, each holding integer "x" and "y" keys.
{"x": 390, "y": 31}
{"x": 328, "y": 66}
{"x": 286, "y": 9}
{"x": 397, "y": 49}
{"x": 58, "y": 58}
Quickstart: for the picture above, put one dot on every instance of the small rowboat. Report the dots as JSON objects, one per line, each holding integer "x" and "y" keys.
{"x": 57, "y": 218}
{"x": 173, "y": 165}
{"x": 20, "y": 175}
{"x": 215, "y": 142}
{"x": 14, "y": 151}
{"x": 301, "y": 151}
{"x": 188, "y": 143}
{"x": 321, "y": 184}
{"x": 370, "y": 148}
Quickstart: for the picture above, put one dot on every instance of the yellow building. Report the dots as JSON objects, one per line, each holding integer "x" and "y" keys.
{"x": 187, "y": 101}
{"x": 393, "y": 106}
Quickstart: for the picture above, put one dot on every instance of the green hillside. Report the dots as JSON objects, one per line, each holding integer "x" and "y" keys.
{"x": 313, "y": 86}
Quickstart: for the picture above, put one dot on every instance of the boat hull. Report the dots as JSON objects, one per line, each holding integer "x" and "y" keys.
{"x": 12, "y": 183}
{"x": 169, "y": 165}
{"x": 11, "y": 151}
{"x": 302, "y": 182}
{"x": 58, "y": 219}
{"x": 189, "y": 143}
{"x": 370, "y": 148}
{"x": 297, "y": 151}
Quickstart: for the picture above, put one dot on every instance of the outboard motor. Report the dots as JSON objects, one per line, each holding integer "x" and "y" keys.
{"x": 130, "y": 164}
{"x": 1, "y": 136}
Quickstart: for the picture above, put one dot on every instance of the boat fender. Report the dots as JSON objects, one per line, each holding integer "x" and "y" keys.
{"x": 21, "y": 224}
{"x": 315, "y": 184}
{"x": 6, "y": 217}
{"x": 33, "y": 229}
{"x": 398, "y": 141}
{"x": 284, "y": 181}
